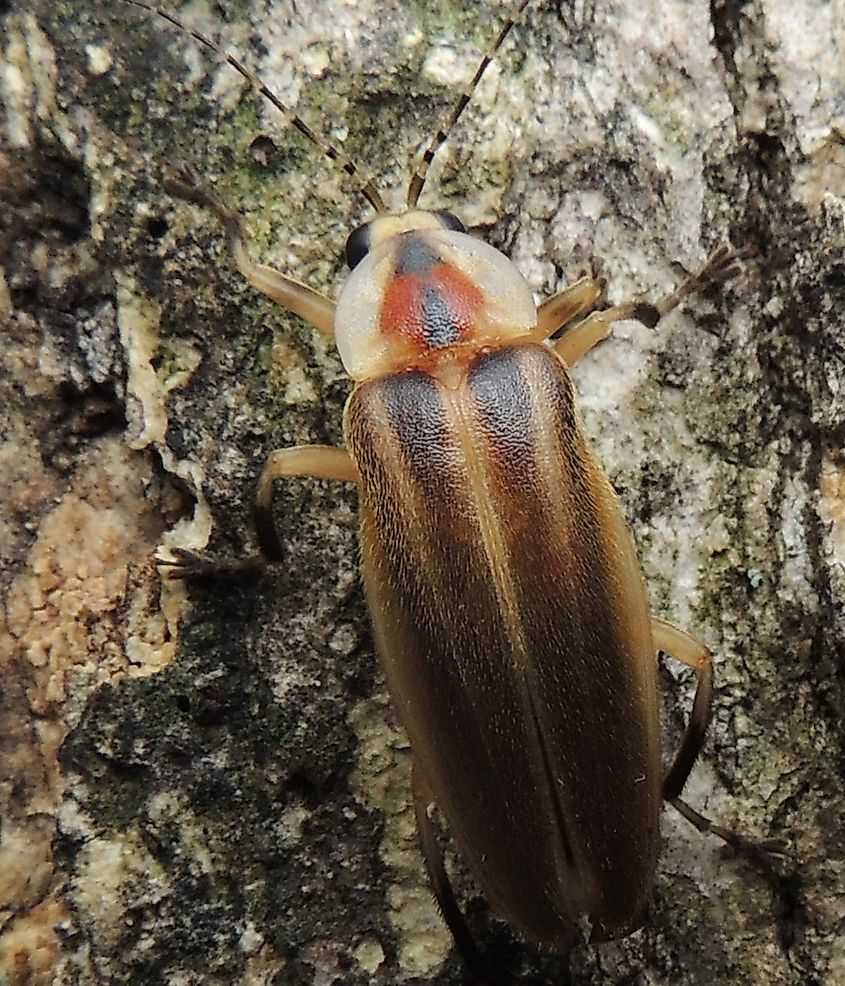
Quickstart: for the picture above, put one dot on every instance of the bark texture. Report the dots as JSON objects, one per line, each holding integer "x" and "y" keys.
{"x": 209, "y": 786}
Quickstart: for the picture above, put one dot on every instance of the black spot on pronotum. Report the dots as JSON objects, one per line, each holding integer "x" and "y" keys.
{"x": 439, "y": 324}
{"x": 414, "y": 255}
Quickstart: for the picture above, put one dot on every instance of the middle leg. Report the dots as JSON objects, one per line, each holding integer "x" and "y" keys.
{"x": 313, "y": 461}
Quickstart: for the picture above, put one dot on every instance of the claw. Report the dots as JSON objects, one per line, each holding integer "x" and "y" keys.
{"x": 190, "y": 565}
{"x": 725, "y": 262}
{"x": 767, "y": 850}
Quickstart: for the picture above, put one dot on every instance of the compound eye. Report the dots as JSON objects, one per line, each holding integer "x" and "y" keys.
{"x": 451, "y": 222}
{"x": 357, "y": 246}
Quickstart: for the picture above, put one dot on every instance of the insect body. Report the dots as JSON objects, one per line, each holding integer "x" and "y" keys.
{"x": 506, "y": 598}
{"x": 503, "y": 588}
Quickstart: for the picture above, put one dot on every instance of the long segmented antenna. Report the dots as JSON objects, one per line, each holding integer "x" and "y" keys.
{"x": 367, "y": 186}
{"x": 437, "y": 141}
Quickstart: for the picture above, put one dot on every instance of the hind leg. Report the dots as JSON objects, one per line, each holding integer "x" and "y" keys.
{"x": 439, "y": 880}
{"x": 685, "y": 648}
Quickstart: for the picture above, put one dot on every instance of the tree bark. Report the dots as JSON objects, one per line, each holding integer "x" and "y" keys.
{"x": 208, "y": 784}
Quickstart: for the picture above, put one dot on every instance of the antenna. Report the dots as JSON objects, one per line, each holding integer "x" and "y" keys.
{"x": 367, "y": 186}
{"x": 437, "y": 141}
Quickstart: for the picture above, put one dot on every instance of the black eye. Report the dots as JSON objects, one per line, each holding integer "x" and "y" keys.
{"x": 451, "y": 222}
{"x": 357, "y": 246}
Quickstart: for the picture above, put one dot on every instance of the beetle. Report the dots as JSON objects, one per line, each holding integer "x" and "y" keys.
{"x": 507, "y": 602}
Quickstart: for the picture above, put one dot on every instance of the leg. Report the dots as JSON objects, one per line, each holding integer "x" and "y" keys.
{"x": 723, "y": 264}
{"x": 585, "y": 334}
{"x": 561, "y": 308}
{"x": 557, "y": 311}
{"x": 439, "y": 880}
{"x": 761, "y": 850}
{"x": 685, "y": 648}
{"x": 678, "y": 644}
{"x": 314, "y": 461}
{"x": 310, "y": 305}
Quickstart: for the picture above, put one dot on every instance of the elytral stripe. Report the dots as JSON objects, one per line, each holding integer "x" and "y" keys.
{"x": 502, "y": 425}
{"x": 400, "y": 433}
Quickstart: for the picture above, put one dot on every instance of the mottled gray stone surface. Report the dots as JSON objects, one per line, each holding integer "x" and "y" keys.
{"x": 209, "y": 787}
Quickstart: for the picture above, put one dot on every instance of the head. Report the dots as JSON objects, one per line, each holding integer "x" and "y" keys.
{"x": 419, "y": 283}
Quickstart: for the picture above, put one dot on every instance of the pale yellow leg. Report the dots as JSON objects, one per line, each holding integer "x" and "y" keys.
{"x": 561, "y": 308}
{"x": 296, "y": 297}
{"x": 723, "y": 264}
{"x": 681, "y": 645}
{"x": 685, "y": 648}
{"x": 582, "y": 336}
{"x": 313, "y": 461}
{"x": 678, "y": 644}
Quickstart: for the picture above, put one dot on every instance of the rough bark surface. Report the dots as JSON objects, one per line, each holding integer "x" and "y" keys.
{"x": 209, "y": 786}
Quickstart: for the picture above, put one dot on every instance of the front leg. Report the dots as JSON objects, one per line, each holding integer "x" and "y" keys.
{"x": 559, "y": 310}
{"x": 296, "y": 297}
{"x": 313, "y": 461}
{"x": 723, "y": 264}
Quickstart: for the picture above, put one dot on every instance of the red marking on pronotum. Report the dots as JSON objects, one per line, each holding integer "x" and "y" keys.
{"x": 432, "y": 309}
